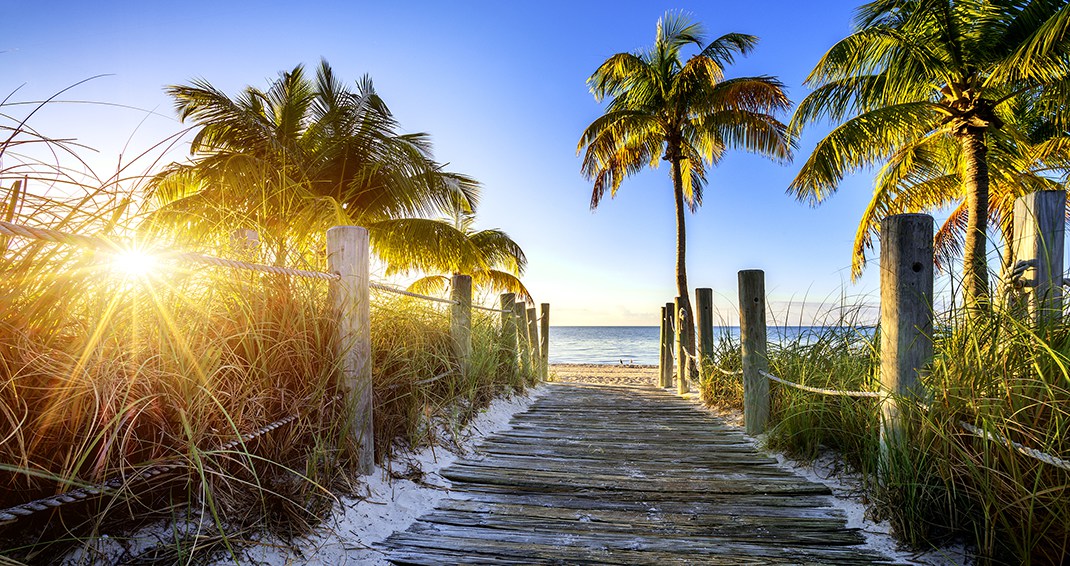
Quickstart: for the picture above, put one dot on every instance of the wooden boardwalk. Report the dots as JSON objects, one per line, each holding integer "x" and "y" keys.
{"x": 622, "y": 475}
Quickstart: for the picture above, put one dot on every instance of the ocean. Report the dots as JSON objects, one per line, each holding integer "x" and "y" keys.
{"x": 635, "y": 344}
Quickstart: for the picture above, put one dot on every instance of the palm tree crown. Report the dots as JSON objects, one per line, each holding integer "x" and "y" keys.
{"x": 685, "y": 112}
{"x": 493, "y": 259}
{"x": 920, "y": 76}
{"x": 304, "y": 148}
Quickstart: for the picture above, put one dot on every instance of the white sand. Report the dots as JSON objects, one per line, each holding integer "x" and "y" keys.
{"x": 389, "y": 505}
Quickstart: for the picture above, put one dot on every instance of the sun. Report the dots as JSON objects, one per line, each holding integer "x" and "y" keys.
{"x": 133, "y": 263}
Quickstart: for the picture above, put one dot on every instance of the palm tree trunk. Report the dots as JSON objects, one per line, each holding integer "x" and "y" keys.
{"x": 688, "y": 330}
{"x": 974, "y": 261}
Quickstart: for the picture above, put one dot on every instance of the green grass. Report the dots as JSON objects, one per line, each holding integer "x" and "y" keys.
{"x": 942, "y": 483}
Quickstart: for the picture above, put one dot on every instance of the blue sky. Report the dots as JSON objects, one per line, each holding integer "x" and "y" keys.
{"x": 501, "y": 88}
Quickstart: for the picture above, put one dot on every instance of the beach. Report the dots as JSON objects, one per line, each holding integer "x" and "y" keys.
{"x": 604, "y": 374}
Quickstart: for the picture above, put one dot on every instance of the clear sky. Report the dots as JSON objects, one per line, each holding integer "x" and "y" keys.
{"x": 501, "y": 88}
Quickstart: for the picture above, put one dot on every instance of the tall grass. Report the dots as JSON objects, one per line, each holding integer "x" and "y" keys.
{"x": 104, "y": 374}
{"x": 994, "y": 371}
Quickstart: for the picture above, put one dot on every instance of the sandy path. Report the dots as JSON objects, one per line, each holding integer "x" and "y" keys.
{"x": 635, "y": 375}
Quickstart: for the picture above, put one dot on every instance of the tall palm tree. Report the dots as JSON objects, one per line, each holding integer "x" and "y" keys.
{"x": 934, "y": 181}
{"x": 493, "y": 259}
{"x": 918, "y": 73}
{"x": 684, "y": 112}
{"x": 306, "y": 147}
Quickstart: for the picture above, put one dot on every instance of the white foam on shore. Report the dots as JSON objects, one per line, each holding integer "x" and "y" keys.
{"x": 388, "y": 504}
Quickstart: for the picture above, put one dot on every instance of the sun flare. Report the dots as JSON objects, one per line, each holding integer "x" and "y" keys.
{"x": 133, "y": 263}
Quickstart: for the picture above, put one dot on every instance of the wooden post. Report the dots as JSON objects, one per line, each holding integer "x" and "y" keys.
{"x": 461, "y": 320}
{"x": 1039, "y": 223}
{"x": 704, "y": 314}
{"x": 347, "y": 255}
{"x": 752, "y": 337}
{"x": 682, "y": 364}
{"x": 508, "y": 360}
{"x": 544, "y": 336}
{"x": 661, "y": 349}
{"x": 667, "y": 344}
{"x": 523, "y": 342}
{"x": 906, "y": 313}
{"x": 533, "y": 343}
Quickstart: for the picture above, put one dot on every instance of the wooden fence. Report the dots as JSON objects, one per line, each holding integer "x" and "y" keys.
{"x": 348, "y": 259}
{"x": 906, "y": 316}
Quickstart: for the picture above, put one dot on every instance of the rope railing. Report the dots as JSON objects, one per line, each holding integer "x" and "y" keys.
{"x": 13, "y": 514}
{"x": 490, "y": 309}
{"x": 726, "y": 372}
{"x": 396, "y": 291}
{"x": 65, "y": 238}
{"x": 819, "y": 390}
{"x": 102, "y": 244}
{"x": 1020, "y": 448}
{"x": 976, "y": 431}
{"x": 235, "y": 264}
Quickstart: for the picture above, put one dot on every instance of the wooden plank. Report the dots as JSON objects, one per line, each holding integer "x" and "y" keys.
{"x": 612, "y": 475}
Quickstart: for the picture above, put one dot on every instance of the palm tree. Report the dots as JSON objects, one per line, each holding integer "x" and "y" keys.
{"x": 917, "y": 74}
{"x": 493, "y": 259}
{"x": 305, "y": 148}
{"x": 1016, "y": 167}
{"x": 686, "y": 113}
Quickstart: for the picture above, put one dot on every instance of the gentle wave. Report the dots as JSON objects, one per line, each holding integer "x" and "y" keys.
{"x": 638, "y": 344}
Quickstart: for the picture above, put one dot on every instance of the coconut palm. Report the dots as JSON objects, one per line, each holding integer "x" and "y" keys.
{"x": 685, "y": 112}
{"x": 493, "y": 259}
{"x": 1016, "y": 168}
{"x": 917, "y": 75}
{"x": 302, "y": 149}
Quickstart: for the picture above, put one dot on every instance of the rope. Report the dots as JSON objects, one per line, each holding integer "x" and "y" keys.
{"x": 726, "y": 372}
{"x": 390, "y": 289}
{"x": 234, "y": 264}
{"x": 57, "y": 237}
{"x": 1022, "y": 449}
{"x": 12, "y": 514}
{"x": 489, "y": 309}
{"x": 819, "y": 390}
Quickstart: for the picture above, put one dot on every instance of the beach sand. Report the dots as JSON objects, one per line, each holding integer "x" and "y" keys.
{"x": 624, "y": 374}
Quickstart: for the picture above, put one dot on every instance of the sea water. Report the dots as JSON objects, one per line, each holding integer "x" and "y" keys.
{"x": 639, "y": 344}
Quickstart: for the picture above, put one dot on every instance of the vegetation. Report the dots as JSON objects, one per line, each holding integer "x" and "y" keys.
{"x": 991, "y": 371}
{"x": 685, "y": 112}
{"x": 111, "y": 368}
{"x": 918, "y": 76}
{"x": 314, "y": 150}
{"x": 495, "y": 261}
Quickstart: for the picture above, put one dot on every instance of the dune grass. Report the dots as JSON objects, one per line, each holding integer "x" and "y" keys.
{"x": 106, "y": 373}
{"x": 995, "y": 372}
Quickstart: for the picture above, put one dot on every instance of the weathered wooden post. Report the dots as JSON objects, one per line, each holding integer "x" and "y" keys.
{"x": 508, "y": 359}
{"x": 662, "y": 348}
{"x": 533, "y": 343}
{"x": 670, "y": 335}
{"x": 704, "y": 315}
{"x": 1039, "y": 224}
{"x": 682, "y": 363}
{"x": 523, "y": 342}
{"x": 544, "y": 337}
{"x": 347, "y": 255}
{"x": 906, "y": 314}
{"x": 461, "y": 320}
{"x": 752, "y": 337}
